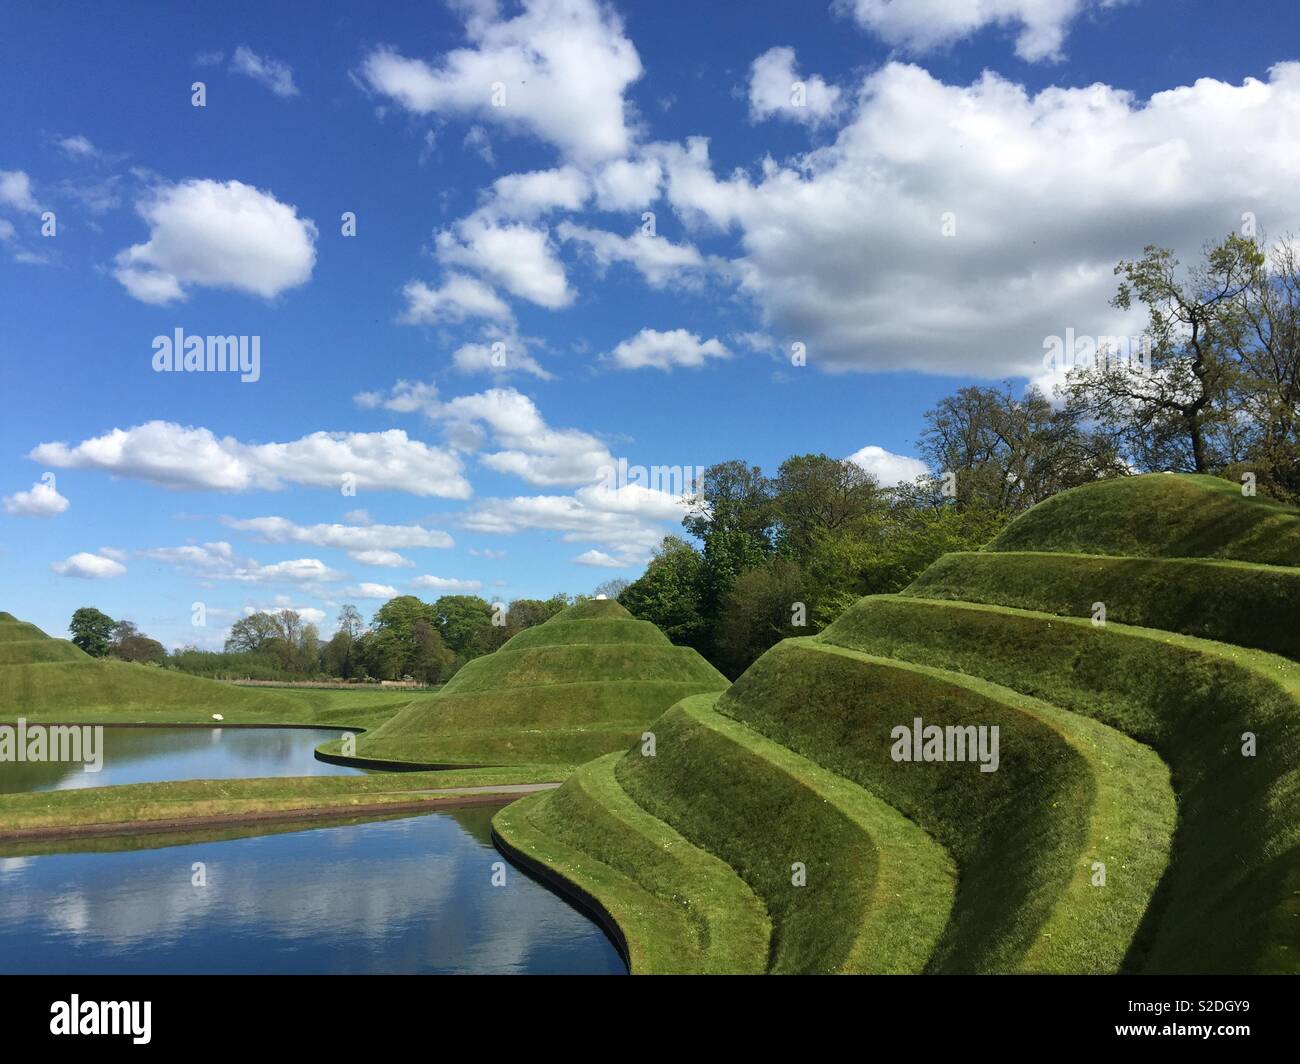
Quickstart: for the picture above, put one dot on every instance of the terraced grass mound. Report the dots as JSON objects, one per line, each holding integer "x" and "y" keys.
{"x": 46, "y": 679}
{"x": 1160, "y": 515}
{"x": 1145, "y": 811}
{"x": 583, "y": 684}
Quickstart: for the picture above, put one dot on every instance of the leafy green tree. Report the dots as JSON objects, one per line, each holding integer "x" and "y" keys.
{"x": 130, "y": 644}
{"x": 1177, "y": 413}
{"x": 252, "y": 634}
{"x": 465, "y": 624}
{"x": 668, "y": 593}
{"x": 814, "y": 495}
{"x": 92, "y": 631}
{"x": 765, "y": 605}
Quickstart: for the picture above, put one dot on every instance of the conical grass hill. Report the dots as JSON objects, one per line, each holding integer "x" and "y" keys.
{"x": 50, "y": 680}
{"x": 583, "y": 683}
{"x": 1136, "y": 644}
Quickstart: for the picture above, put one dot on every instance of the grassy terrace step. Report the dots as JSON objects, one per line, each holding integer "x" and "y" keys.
{"x": 1230, "y": 901}
{"x": 1235, "y": 602}
{"x": 680, "y": 909}
{"x": 1159, "y": 515}
{"x": 36, "y": 651}
{"x": 504, "y": 746}
{"x": 140, "y": 803}
{"x": 540, "y": 666}
{"x": 595, "y": 630}
{"x": 878, "y": 888}
{"x": 1068, "y": 792}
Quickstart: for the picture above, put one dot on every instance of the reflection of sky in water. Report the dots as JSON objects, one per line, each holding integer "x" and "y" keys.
{"x": 151, "y": 755}
{"x": 401, "y": 896}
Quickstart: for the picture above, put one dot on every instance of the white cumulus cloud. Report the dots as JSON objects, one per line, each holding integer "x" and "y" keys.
{"x": 219, "y": 235}
{"x": 43, "y": 500}
{"x": 888, "y": 468}
{"x": 86, "y": 566}
{"x": 275, "y": 75}
{"x": 664, "y": 350}
{"x": 776, "y": 88}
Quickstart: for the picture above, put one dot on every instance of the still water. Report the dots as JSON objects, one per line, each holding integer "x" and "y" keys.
{"x": 402, "y": 895}
{"x": 151, "y": 755}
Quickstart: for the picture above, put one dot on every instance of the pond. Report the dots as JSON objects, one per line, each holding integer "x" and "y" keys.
{"x": 406, "y": 894}
{"x": 152, "y": 755}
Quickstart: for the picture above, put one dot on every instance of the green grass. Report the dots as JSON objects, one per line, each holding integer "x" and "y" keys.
{"x": 1235, "y": 602}
{"x": 140, "y": 803}
{"x": 1068, "y": 792}
{"x": 1229, "y": 901}
{"x": 680, "y": 909}
{"x": 1159, "y": 515}
{"x": 878, "y": 888}
{"x": 583, "y": 684}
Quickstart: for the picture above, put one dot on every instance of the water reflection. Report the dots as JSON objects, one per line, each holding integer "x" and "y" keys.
{"x": 151, "y": 755}
{"x": 409, "y": 895}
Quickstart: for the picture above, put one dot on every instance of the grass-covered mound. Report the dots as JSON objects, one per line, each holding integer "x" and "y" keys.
{"x": 45, "y": 679}
{"x": 584, "y": 683}
{"x": 1145, "y": 814}
{"x": 1160, "y": 515}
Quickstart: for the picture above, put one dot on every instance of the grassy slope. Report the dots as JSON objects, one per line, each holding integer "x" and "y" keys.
{"x": 583, "y": 684}
{"x": 878, "y": 889}
{"x": 680, "y": 909}
{"x": 1068, "y": 792}
{"x": 1221, "y": 906}
{"x": 1159, "y": 515}
{"x": 1235, "y": 602}
{"x": 139, "y": 803}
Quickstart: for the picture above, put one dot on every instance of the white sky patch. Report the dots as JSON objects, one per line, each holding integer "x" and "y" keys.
{"x": 579, "y": 521}
{"x": 664, "y": 350}
{"x": 518, "y": 257}
{"x": 528, "y": 196}
{"x": 836, "y": 251}
{"x": 920, "y": 26}
{"x": 218, "y": 235}
{"x": 383, "y": 559}
{"x": 458, "y": 298}
{"x": 310, "y": 614}
{"x": 78, "y": 147}
{"x": 367, "y": 590}
{"x": 776, "y": 88}
{"x": 658, "y": 260}
{"x": 218, "y": 561}
{"x": 43, "y": 500}
{"x": 511, "y": 357}
{"x": 342, "y": 537}
{"x": 442, "y": 583}
{"x": 16, "y": 191}
{"x": 564, "y": 66}
{"x": 888, "y": 468}
{"x": 176, "y": 456}
{"x": 86, "y": 566}
{"x": 273, "y": 74}
{"x": 627, "y": 184}
{"x": 601, "y": 560}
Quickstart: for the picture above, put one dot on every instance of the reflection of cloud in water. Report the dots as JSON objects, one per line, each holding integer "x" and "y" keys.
{"x": 393, "y": 896}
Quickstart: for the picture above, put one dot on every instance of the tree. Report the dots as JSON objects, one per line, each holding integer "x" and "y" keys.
{"x": 1170, "y": 413}
{"x": 465, "y": 624}
{"x": 612, "y": 589}
{"x": 762, "y": 608}
{"x": 92, "y": 631}
{"x": 814, "y": 494}
{"x": 130, "y": 644}
{"x": 1007, "y": 454}
{"x": 252, "y": 634}
{"x": 668, "y": 593}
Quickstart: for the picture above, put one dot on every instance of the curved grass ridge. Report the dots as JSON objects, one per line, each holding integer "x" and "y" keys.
{"x": 1159, "y": 515}
{"x": 1068, "y": 792}
{"x": 1228, "y": 901}
{"x": 678, "y": 909}
{"x": 1234, "y": 602}
{"x": 582, "y": 684}
{"x": 878, "y": 888}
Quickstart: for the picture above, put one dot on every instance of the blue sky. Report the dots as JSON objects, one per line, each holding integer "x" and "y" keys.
{"x": 1058, "y": 136}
